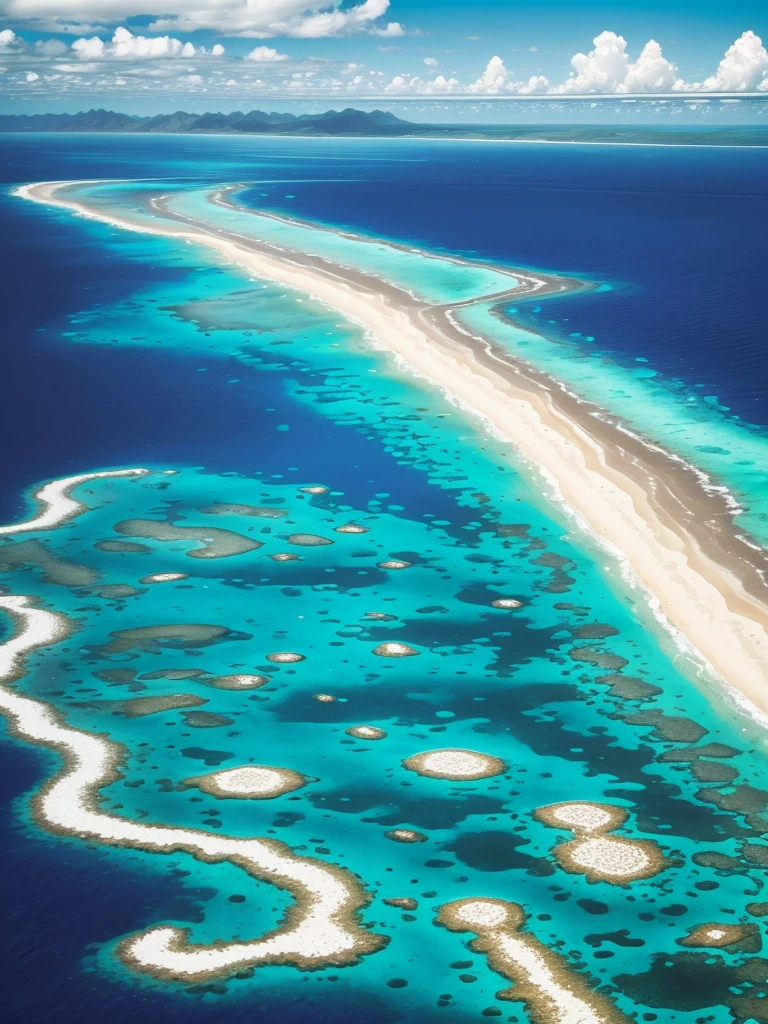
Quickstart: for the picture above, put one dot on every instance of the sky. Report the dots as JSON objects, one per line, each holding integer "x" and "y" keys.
{"x": 443, "y": 60}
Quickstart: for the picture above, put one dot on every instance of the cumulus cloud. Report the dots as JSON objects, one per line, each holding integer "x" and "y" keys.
{"x": 536, "y": 83}
{"x": 494, "y": 79}
{"x": 126, "y": 46}
{"x": 50, "y": 47}
{"x": 392, "y": 28}
{"x": 32, "y": 76}
{"x": 266, "y": 55}
{"x": 602, "y": 69}
{"x": 608, "y": 69}
{"x": 431, "y": 62}
{"x": 743, "y": 68}
{"x": 250, "y": 18}
{"x": 404, "y": 84}
{"x": 10, "y": 42}
{"x": 652, "y": 72}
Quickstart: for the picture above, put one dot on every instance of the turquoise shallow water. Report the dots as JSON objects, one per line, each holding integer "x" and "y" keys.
{"x": 432, "y": 490}
{"x": 685, "y": 418}
{"x": 433, "y": 277}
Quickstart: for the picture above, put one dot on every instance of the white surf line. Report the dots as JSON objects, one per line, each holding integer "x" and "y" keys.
{"x": 56, "y": 504}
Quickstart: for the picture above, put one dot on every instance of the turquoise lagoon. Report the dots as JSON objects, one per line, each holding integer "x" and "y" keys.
{"x": 432, "y": 488}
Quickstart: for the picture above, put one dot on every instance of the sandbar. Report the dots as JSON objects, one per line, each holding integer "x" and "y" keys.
{"x": 672, "y": 536}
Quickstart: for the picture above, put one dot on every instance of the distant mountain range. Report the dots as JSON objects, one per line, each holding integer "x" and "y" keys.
{"x": 332, "y": 122}
{"x": 351, "y": 122}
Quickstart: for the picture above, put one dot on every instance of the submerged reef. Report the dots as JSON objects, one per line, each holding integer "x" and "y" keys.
{"x": 216, "y": 543}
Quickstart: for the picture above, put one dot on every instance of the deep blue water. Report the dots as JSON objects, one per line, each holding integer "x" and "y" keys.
{"x": 673, "y": 230}
{"x": 678, "y": 233}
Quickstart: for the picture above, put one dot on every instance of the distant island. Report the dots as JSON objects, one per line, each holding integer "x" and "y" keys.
{"x": 377, "y": 123}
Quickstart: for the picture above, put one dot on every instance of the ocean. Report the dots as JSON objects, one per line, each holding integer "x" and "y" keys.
{"x": 126, "y": 350}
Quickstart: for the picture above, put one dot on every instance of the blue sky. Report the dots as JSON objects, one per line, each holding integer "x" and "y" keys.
{"x": 449, "y": 59}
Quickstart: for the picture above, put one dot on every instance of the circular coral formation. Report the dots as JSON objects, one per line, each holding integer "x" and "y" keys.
{"x": 285, "y": 657}
{"x": 479, "y": 915}
{"x": 252, "y": 782}
{"x": 324, "y": 698}
{"x": 352, "y": 528}
{"x": 239, "y": 681}
{"x": 455, "y": 765}
{"x": 392, "y": 649}
{"x": 509, "y": 603}
{"x": 611, "y": 858}
{"x": 593, "y": 853}
{"x": 164, "y": 577}
{"x": 284, "y": 556}
{"x": 394, "y": 563}
{"x": 315, "y": 489}
{"x": 406, "y": 835}
{"x": 308, "y": 540}
{"x": 582, "y": 816}
{"x": 366, "y": 732}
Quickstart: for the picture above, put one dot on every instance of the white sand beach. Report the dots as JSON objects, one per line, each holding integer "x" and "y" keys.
{"x": 676, "y": 540}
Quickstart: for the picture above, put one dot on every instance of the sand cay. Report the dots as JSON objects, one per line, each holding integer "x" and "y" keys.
{"x": 671, "y": 534}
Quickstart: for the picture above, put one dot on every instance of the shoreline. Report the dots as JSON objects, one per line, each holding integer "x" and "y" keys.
{"x": 705, "y": 581}
{"x": 55, "y": 504}
{"x": 409, "y": 138}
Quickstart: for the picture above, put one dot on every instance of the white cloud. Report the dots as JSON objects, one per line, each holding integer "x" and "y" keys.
{"x": 651, "y": 72}
{"x": 536, "y": 83}
{"x": 10, "y": 42}
{"x": 743, "y": 68}
{"x": 338, "y": 23}
{"x": 126, "y": 46}
{"x": 217, "y": 50}
{"x": 32, "y": 77}
{"x": 390, "y": 30}
{"x": 493, "y": 80}
{"x": 250, "y": 18}
{"x": 607, "y": 69}
{"x": 431, "y": 62}
{"x": 50, "y": 47}
{"x": 602, "y": 69}
{"x": 440, "y": 85}
{"x": 266, "y": 55}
